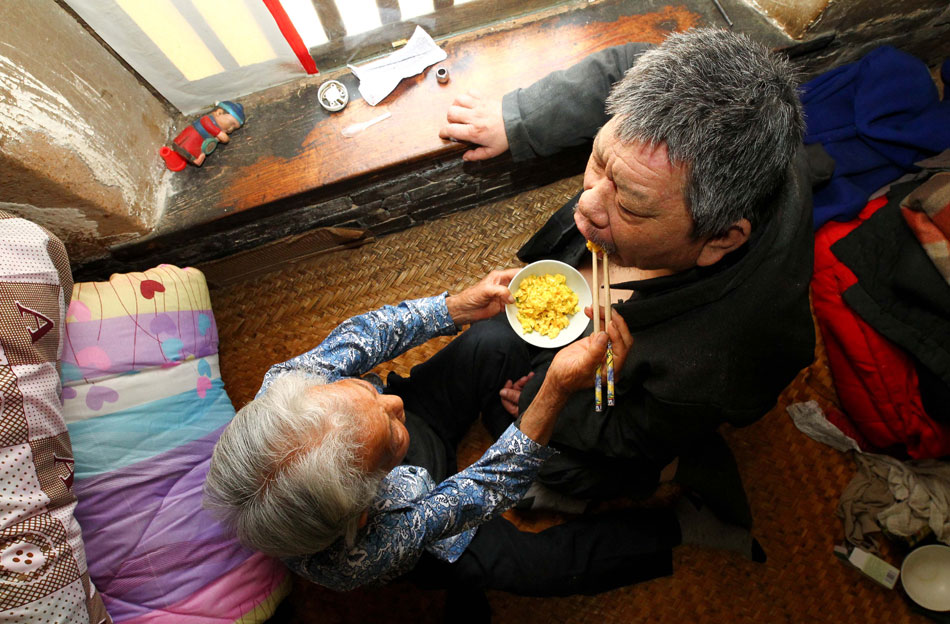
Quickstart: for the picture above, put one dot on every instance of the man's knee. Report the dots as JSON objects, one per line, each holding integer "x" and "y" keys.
{"x": 491, "y": 338}
{"x": 494, "y": 332}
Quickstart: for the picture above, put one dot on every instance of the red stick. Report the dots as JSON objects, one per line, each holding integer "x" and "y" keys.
{"x": 289, "y": 31}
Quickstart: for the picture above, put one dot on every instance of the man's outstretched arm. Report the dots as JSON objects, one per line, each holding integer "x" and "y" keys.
{"x": 561, "y": 110}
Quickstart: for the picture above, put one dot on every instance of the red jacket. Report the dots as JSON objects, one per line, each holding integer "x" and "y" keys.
{"x": 875, "y": 379}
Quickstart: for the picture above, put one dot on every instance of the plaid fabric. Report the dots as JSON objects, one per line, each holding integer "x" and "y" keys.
{"x": 927, "y": 212}
{"x": 43, "y": 568}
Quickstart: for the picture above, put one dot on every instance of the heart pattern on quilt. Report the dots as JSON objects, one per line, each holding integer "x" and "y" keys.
{"x": 93, "y": 358}
{"x": 171, "y": 347}
{"x": 78, "y": 311}
{"x": 204, "y": 324}
{"x": 149, "y": 287}
{"x": 204, "y": 368}
{"x": 100, "y": 394}
{"x": 204, "y": 384}
{"x": 162, "y": 323}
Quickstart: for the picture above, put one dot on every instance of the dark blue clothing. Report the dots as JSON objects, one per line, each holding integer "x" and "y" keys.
{"x": 875, "y": 118}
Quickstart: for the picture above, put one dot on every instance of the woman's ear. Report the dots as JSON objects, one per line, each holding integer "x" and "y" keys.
{"x": 717, "y": 247}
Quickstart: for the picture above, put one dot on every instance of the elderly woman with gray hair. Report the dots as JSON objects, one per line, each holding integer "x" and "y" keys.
{"x": 321, "y": 468}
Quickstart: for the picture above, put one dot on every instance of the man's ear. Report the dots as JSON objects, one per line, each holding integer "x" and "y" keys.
{"x": 717, "y": 247}
{"x": 364, "y": 518}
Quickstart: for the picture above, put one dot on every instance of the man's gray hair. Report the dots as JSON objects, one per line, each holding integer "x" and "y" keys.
{"x": 285, "y": 474}
{"x": 726, "y": 108}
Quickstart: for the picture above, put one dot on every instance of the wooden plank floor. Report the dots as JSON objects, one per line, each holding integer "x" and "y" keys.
{"x": 793, "y": 482}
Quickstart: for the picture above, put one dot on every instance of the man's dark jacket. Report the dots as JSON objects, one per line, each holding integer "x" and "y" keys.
{"x": 712, "y": 345}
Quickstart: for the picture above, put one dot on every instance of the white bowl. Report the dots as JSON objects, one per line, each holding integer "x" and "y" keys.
{"x": 925, "y": 575}
{"x": 579, "y": 320}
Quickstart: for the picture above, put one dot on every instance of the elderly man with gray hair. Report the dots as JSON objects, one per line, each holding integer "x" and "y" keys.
{"x": 698, "y": 189}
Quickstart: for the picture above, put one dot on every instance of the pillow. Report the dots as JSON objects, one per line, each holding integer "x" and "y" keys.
{"x": 145, "y": 404}
{"x": 43, "y": 572}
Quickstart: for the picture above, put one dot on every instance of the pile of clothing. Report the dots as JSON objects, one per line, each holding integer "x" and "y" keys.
{"x": 881, "y": 287}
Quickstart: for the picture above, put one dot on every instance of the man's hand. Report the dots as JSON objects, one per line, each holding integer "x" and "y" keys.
{"x": 483, "y": 300}
{"x": 620, "y": 338}
{"x": 511, "y": 393}
{"x": 476, "y": 120}
{"x": 573, "y": 367}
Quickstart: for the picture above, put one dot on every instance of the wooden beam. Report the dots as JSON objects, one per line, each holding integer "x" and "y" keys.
{"x": 330, "y": 19}
{"x": 336, "y": 53}
{"x": 389, "y": 12}
{"x": 442, "y": 4}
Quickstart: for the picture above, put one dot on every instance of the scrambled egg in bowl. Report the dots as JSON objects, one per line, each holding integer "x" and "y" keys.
{"x": 545, "y": 304}
{"x": 567, "y": 280}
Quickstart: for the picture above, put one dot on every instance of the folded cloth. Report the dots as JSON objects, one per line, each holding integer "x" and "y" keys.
{"x": 810, "y": 420}
{"x": 900, "y": 497}
{"x": 927, "y": 212}
{"x": 904, "y": 298}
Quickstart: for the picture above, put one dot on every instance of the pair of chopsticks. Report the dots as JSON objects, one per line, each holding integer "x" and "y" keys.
{"x": 598, "y": 392}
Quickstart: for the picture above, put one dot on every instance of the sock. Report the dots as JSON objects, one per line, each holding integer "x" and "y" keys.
{"x": 700, "y": 526}
{"x": 541, "y": 498}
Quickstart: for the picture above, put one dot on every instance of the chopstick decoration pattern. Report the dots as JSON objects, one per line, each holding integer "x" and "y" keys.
{"x": 598, "y": 376}
{"x": 610, "y": 346}
{"x": 595, "y": 301}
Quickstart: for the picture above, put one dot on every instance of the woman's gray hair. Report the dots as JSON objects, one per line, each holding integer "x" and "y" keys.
{"x": 726, "y": 108}
{"x": 285, "y": 474}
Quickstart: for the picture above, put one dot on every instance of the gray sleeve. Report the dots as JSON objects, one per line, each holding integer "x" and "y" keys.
{"x": 566, "y": 107}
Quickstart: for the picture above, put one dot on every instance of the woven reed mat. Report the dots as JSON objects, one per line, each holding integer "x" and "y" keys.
{"x": 793, "y": 482}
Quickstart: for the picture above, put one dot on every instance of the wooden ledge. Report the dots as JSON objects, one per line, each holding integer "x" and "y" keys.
{"x": 291, "y": 153}
{"x": 292, "y": 146}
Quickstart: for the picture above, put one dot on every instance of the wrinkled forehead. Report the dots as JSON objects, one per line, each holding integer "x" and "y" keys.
{"x": 654, "y": 155}
{"x": 641, "y": 170}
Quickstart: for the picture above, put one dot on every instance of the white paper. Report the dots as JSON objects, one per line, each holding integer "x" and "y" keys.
{"x": 379, "y": 78}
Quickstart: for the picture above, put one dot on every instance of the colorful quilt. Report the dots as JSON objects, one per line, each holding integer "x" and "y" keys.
{"x": 145, "y": 404}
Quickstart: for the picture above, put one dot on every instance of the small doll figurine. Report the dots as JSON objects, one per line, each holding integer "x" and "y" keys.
{"x": 194, "y": 143}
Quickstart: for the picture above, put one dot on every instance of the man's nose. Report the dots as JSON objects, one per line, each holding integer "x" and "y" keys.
{"x": 592, "y": 203}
